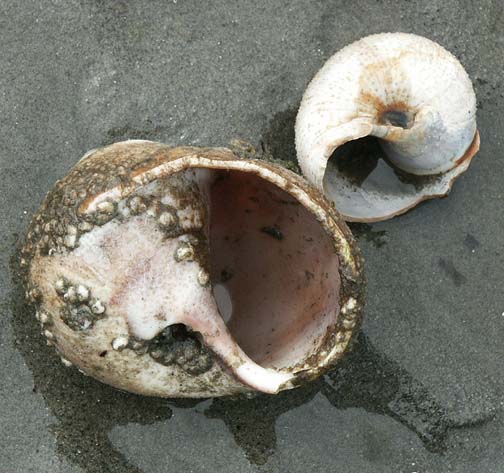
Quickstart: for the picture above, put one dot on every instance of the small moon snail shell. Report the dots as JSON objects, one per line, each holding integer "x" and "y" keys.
{"x": 189, "y": 272}
{"x": 397, "y": 96}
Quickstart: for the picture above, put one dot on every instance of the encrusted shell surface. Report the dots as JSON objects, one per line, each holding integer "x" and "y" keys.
{"x": 410, "y": 94}
{"x": 190, "y": 272}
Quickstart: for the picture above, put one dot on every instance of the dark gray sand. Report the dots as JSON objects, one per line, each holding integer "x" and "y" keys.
{"x": 422, "y": 391}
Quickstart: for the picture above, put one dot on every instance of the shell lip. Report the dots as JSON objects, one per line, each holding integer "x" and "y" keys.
{"x": 427, "y": 191}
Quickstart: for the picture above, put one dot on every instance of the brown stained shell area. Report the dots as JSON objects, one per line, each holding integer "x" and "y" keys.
{"x": 90, "y": 196}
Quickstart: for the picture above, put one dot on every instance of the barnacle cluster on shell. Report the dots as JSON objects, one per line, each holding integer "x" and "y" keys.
{"x": 80, "y": 311}
{"x": 191, "y": 272}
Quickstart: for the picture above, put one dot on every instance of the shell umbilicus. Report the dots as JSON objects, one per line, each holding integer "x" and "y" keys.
{"x": 190, "y": 272}
{"x": 395, "y": 96}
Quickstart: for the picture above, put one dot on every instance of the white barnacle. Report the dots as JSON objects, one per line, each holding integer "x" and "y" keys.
{"x": 152, "y": 211}
{"x": 97, "y": 306}
{"x": 119, "y": 343}
{"x": 166, "y": 219}
{"x": 184, "y": 252}
{"x": 49, "y": 335}
{"x": 123, "y": 209}
{"x": 34, "y": 294}
{"x": 137, "y": 204}
{"x": 203, "y": 277}
{"x": 85, "y": 226}
{"x": 66, "y": 362}
{"x": 71, "y": 295}
{"x": 43, "y": 317}
{"x": 349, "y": 323}
{"x": 341, "y": 337}
{"x": 71, "y": 230}
{"x": 156, "y": 354}
{"x": 106, "y": 206}
{"x": 349, "y": 305}
{"x": 82, "y": 292}
{"x": 60, "y": 286}
{"x": 70, "y": 241}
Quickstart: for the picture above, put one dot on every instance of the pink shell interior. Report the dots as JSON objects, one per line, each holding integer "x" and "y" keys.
{"x": 276, "y": 267}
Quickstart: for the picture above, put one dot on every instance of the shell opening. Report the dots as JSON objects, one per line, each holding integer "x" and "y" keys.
{"x": 273, "y": 268}
{"x": 359, "y": 161}
{"x": 366, "y": 186}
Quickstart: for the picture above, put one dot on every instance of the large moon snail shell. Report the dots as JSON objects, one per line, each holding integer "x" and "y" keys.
{"x": 388, "y": 121}
{"x": 190, "y": 272}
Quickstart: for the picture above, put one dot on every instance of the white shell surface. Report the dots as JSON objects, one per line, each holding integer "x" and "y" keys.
{"x": 351, "y": 95}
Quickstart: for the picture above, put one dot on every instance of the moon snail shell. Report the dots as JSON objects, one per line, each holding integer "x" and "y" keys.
{"x": 388, "y": 121}
{"x": 189, "y": 272}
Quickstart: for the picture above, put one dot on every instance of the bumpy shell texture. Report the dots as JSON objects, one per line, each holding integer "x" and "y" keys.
{"x": 188, "y": 272}
{"x": 388, "y": 121}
